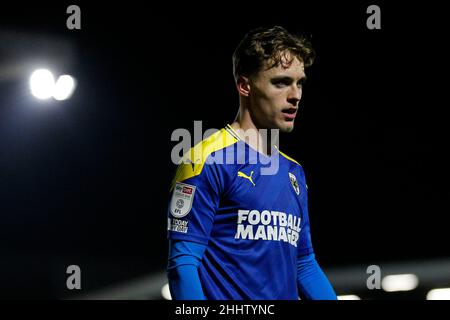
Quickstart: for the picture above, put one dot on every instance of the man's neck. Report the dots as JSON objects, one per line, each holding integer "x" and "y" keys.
{"x": 252, "y": 134}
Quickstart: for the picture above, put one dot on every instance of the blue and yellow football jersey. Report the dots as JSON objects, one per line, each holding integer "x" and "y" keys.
{"x": 255, "y": 225}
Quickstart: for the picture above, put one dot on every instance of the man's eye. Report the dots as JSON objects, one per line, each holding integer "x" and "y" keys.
{"x": 280, "y": 84}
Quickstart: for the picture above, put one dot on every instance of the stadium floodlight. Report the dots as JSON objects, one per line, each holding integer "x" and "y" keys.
{"x": 64, "y": 87}
{"x": 349, "y": 297}
{"x": 399, "y": 282}
{"x": 439, "y": 294}
{"x": 42, "y": 84}
{"x": 166, "y": 292}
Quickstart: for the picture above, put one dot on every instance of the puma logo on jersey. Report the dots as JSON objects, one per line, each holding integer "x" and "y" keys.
{"x": 243, "y": 175}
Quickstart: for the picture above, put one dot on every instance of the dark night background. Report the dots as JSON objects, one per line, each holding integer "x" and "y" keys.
{"x": 85, "y": 181}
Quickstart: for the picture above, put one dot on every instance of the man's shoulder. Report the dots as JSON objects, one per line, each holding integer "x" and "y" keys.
{"x": 288, "y": 157}
{"x": 194, "y": 161}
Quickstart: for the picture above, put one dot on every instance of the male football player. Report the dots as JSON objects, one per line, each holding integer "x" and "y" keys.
{"x": 236, "y": 231}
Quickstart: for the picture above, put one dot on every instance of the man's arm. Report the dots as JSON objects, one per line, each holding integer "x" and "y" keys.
{"x": 184, "y": 260}
{"x": 311, "y": 281}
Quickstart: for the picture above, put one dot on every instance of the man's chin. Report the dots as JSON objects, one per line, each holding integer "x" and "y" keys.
{"x": 287, "y": 127}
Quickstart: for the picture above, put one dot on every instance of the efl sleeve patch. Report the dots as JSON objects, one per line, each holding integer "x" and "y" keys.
{"x": 182, "y": 198}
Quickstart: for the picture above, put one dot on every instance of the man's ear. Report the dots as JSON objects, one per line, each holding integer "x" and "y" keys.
{"x": 243, "y": 85}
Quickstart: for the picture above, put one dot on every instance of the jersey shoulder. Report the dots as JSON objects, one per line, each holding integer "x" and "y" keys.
{"x": 193, "y": 161}
{"x": 288, "y": 157}
{"x": 297, "y": 166}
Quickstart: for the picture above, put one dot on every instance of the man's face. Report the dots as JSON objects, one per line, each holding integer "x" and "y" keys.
{"x": 275, "y": 95}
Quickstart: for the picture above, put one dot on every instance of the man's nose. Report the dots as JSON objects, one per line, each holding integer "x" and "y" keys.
{"x": 295, "y": 94}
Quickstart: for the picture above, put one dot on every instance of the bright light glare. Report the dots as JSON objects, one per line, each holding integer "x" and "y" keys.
{"x": 64, "y": 87}
{"x": 399, "y": 282}
{"x": 166, "y": 292}
{"x": 349, "y": 297}
{"x": 42, "y": 84}
{"x": 439, "y": 294}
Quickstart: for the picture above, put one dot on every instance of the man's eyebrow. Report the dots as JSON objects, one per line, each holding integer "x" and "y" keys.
{"x": 284, "y": 78}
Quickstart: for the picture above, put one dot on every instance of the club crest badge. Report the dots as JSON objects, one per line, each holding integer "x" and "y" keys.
{"x": 294, "y": 183}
